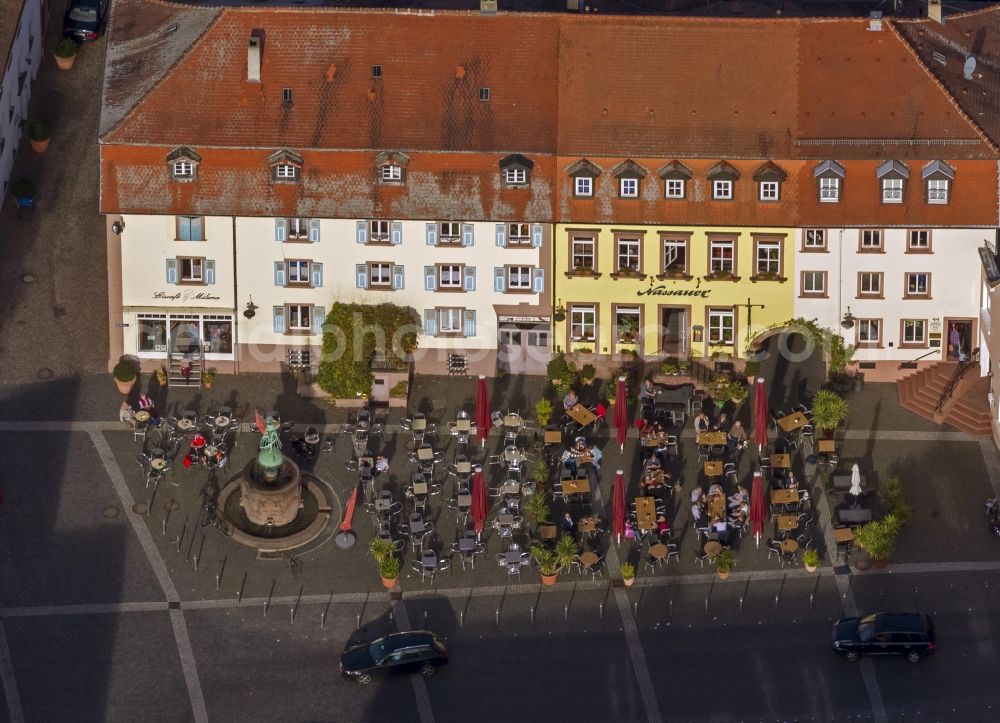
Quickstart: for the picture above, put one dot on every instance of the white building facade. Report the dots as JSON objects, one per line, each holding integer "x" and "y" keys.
{"x": 21, "y": 49}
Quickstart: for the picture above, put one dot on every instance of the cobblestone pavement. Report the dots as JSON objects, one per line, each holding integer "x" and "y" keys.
{"x": 56, "y": 325}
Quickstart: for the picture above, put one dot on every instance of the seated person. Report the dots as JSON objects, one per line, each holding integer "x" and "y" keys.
{"x": 737, "y": 438}
{"x": 652, "y": 463}
{"x": 696, "y": 514}
{"x": 662, "y": 528}
{"x": 655, "y": 479}
{"x": 738, "y": 497}
{"x": 662, "y": 452}
{"x": 600, "y": 411}
{"x": 570, "y": 400}
{"x": 739, "y": 513}
{"x": 596, "y": 456}
{"x": 715, "y": 489}
{"x": 365, "y": 470}
{"x": 702, "y": 423}
{"x": 722, "y": 425}
{"x": 647, "y": 392}
{"x": 568, "y": 525}
{"x": 125, "y": 414}
{"x": 697, "y": 496}
{"x": 381, "y": 464}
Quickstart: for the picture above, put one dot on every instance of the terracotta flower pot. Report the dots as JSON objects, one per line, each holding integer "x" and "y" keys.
{"x": 125, "y": 387}
{"x": 723, "y": 574}
{"x": 40, "y": 146}
{"x": 65, "y": 63}
{"x": 628, "y": 581}
{"x": 810, "y": 568}
{"x": 549, "y": 579}
{"x": 880, "y": 564}
{"x": 389, "y": 583}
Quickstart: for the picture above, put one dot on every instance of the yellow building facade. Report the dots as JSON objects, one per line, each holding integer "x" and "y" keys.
{"x": 669, "y": 291}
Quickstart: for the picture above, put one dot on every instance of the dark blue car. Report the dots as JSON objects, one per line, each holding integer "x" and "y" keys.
{"x": 418, "y": 650}
{"x": 84, "y": 19}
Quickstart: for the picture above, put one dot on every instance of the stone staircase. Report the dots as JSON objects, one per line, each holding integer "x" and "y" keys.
{"x": 174, "y": 364}
{"x": 967, "y": 409}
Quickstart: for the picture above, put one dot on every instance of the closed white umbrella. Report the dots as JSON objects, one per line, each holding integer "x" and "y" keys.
{"x": 855, "y": 482}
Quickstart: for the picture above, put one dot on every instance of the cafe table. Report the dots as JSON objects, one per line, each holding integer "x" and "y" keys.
{"x": 789, "y": 545}
{"x": 586, "y": 525}
{"x": 576, "y": 486}
{"x": 713, "y": 468}
{"x": 420, "y": 488}
{"x": 784, "y": 497}
{"x": 553, "y": 436}
{"x": 645, "y": 513}
{"x": 158, "y": 463}
{"x": 793, "y": 421}
{"x": 843, "y": 534}
{"x": 826, "y": 445}
{"x": 658, "y": 551}
{"x": 717, "y": 506}
{"x": 713, "y": 548}
{"x": 512, "y": 557}
{"x": 580, "y": 414}
{"x": 184, "y": 424}
{"x": 222, "y": 421}
{"x": 142, "y": 416}
{"x": 787, "y": 523}
{"x": 781, "y": 461}
{"x": 712, "y": 439}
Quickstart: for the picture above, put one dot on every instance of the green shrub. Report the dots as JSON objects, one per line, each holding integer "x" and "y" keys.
{"x": 561, "y": 373}
{"x": 543, "y": 410}
{"x": 891, "y": 494}
{"x": 38, "y": 130}
{"x": 66, "y": 48}
{"x": 125, "y": 371}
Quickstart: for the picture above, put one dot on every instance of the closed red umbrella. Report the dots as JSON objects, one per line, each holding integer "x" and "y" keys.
{"x": 621, "y": 413}
{"x": 758, "y": 510}
{"x": 479, "y": 508}
{"x": 482, "y": 410}
{"x": 760, "y": 415}
{"x": 618, "y": 505}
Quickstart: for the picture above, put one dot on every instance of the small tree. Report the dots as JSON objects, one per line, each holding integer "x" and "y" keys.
{"x": 829, "y": 410}
{"x": 537, "y": 508}
{"x": 891, "y": 494}
{"x": 878, "y": 538}
{"x": 543, "y": 411}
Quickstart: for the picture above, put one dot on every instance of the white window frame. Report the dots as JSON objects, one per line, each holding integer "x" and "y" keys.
{"x": 628, "y": 187}
{"x": 829, "y": 189}
{"x": 583, "y": 241}
{"x": 938, "y": 191}
{"x": 718, "y": 329}
{"x": 722, "y": 189}
{"x": 183, "y": 170}
{"x": 675, "y": 243}
{"x": 874, "y": 286}
{"x": 196, "y": 269}
{"x": 770, "y": 190}
{"x": 812, "y": 290}
{"x": 515, "y": 176}
{"x": 449, "y": 232}
{"x": 914, "y": 324}
{"x": 298, "y": 228}
{"x": 379, "y": 231}
{"x": 453, "y": 274}
{"x": 302, "y": 272}
{"x": 868, "y": 235}
{"x": 583, "y": 321}
{"x": 922, "y": 234}
{"x": 631, "y": 311}
{"x": 774, "y": 246}
{"x": 390, "y": 173}
{"x": 519, "y": 234}
{"x": 446, "y": 316}
{"x": 296, "y": 312}
{"x": 892, "y": 190}
{"x": 673, "y": 188}
{"x": 632, "y": 247}
{"x": 375, "y": 274}
{"x": 865, "y": 328}
{"x": 916, "y": 276}
{"x": 725, "y": 265}
{"x": 810, "y": 236}
{"x": 519, "y": 278}
{"x": 286, "y": 172}
{"x": 583, "y": 186}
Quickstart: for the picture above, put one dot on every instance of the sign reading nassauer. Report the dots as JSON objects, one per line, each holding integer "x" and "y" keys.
{"x": 661, "y": 290}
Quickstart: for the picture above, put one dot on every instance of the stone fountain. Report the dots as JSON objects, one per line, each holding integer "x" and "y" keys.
{"x": 271, "y": 485}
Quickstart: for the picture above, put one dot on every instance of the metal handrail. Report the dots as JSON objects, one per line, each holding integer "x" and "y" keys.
{"x": 922, "y": 356}
{"x": 963, "y": 367}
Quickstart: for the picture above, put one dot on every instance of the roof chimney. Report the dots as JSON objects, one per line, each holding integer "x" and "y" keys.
{"x": 875, "y": 20}
{"x": 935, "y": 11}
{"x": 253, "y": 58}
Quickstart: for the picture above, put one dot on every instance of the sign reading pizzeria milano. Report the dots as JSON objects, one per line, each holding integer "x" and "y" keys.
{"x": 185, "y": 296}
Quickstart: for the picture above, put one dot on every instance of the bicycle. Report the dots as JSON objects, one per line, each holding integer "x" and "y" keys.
{"x": 212, "y": 515}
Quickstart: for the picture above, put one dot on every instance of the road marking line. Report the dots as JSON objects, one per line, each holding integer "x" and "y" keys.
{"x": 184, "y": 648}
{"x": 92, "y": 609}
{"x": 10, "y": 690}
{"x": 419, "y": 684}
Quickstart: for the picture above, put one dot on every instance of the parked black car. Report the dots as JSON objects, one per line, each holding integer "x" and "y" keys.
{"x": 397, "y": 653}
{"x": 84, "y": 19}
{"x": 909, "y": 634}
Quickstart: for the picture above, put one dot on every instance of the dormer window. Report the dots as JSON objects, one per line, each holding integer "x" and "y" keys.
{"x": 723, "y": 178}
{"x": 675, "y": 177}
{"x": 629, "y": 175}
{"x": 892, "y": 177}
{"x": 285, "y": 166}
{"x": 516, "y": 171}
{"x": 938, "y": 176}
{"x": 583, "y": 173}
{"x": 183, "y": 163}
{"x": 829, "y": 181}
{"x": 769, "y": 178}
{"x": 391, "y": 167}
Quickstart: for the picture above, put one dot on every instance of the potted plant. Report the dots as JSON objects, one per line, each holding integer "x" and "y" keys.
{"x": 587, "y": 373}
{"x": 383, "y": 551}
{"x": 543, "y": 411}
{"x": 536, "y": 506}
{"x": 161, "y": 376}
{"x": 724, "y": 563}
{"x": 810, "y": 559}
{"x": 548, "y": 566}
{"x": 628, "y": 573}
{"x": 39, "y": 134}
{"x": 829, "y": 410}
{"x": 125, "y": 376}
{"x": 65, "y": 53}
{"x": 891, "y": 494}
{"x": 388, "y": 570}
{"x": 400, "y": 389}
{"x": 566, "y": 551}
{"x": 540, "y": 471}
{"x": 208, "y": 378}
{"x": 751, "y": 370}
{"x": 670, "y": 368}
{"x": 683, "y": 366}
{"x": 878, "y": 538}
{"x": 559, "y": 313}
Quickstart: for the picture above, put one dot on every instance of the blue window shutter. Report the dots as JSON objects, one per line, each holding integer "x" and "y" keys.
{"x": 279, "y": 273}
{"x": 279, "y": 319}
{"x": 396, "y": 233}
{"x": 536, "y": 235}
{"x": 501, "y": 235}
{"x": 319, "y": 316}
{"x": 499, "y": 278}
{"x": 470, "y": 278}
{"x": 432, "y": 234}
{"x": 430, "y": 322}
{"x": 316, "y": 274}
{"x": 209, "y": 271}
{"x": 361, "y": 272}
{"x": 314, "y": 230}
{"x": 397, "y": 277}
{"x": 468, "y": 234}
{"x": 430, "y": 278}
{"x": 539, "y": 281}
{"x": 362, "y": 231}
{"x": 280, "y": 229}
{"x": 197, "y": 228}
{"x": 171, "y": 271}
{"x": 469, "y": 327}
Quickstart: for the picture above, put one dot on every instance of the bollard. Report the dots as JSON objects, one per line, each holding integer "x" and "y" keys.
{"x": 776, "y": 602}
{"x": 461, "y": 619}
{"x": 565, "y": 612}
{"x": 498, "y": 617}
{"x": 706, "y": 604}
{"x": 239, "y": 595}
{"x": 196, "y": 563}
{"x": 671, "y": 611}
{"x": 600, "y": 607}
{"x": 741, "y": 604}
{"x": 635, "y": 609}
{"x": 358, "y": 620}
{"x": 291, "y": 616}
{"x": 391, "y": 615}
{"x": 425, "y": 619}
{"x": 164, "y": 526}
{"x": 532, "y": 613}
{"x": 322, "y": 619}
{"x": 811, "y": 601}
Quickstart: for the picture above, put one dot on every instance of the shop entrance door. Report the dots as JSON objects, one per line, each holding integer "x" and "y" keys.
{"x": 523, "y": 348}
{"x": 673, "y": 329}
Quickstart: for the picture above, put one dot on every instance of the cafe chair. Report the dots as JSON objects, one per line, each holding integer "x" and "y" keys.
{"x": 773, "y": 548}
{"x": 514, "y": 568}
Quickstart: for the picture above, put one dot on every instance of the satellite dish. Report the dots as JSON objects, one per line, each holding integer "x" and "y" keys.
{"x": 970, "y": 67}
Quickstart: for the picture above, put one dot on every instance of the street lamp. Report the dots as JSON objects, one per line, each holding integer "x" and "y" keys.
{"x": 848, "y": 321}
